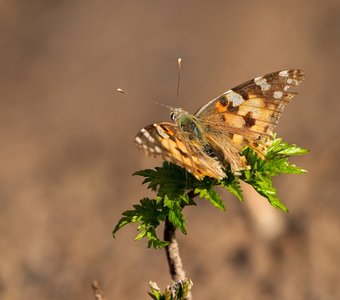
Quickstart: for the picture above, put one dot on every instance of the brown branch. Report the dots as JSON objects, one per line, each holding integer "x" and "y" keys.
{"x": 98, "y": 292}
{"x": 172, "y": 254}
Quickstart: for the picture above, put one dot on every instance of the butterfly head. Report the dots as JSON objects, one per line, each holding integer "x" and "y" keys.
{"x": 176, "y": 113}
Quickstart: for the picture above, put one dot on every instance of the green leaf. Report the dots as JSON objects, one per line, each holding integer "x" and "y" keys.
{"x": 155, "y": 291}
{"x": 275, "y": 163}
{"x": 149, "y": 214}
{"x": 264, "y": 186}
{"x": 168, "y": 179}
{"x": 232, "y": 184}
{"x": 177, "y": 219}
{"x": 278, "y": 148}
{"x": 211, "y": 195}
{"x": 155, "y": 242}
{"x": 280, "y": 166}
{"x": 175, "y": 212}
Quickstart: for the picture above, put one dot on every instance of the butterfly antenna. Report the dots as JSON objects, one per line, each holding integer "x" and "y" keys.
{"x": 142, "y": 99}
{"x": 179, "y": 62}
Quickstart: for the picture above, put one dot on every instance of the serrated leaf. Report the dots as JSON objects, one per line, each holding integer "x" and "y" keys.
{"x": 293, "y": 151}
{"x": 281, "y": 166}
{"x": 121, "y": 223}
{"x": 141, "y": 235}
{"x": 169, "y": 179}
{"x": 177, "y": 219}
{"x": 149, "y": 214}
{"x": 279, "y": 148}
{"x": 185, "y": 198}
{"x": 211, "y": 195}
{"x": 157, "y": 243}
{"x": 264, "y": 186}
{"x": 232, "y": 184}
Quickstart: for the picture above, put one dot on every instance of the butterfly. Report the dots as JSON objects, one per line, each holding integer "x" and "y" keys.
{"x": 205, "y": 143}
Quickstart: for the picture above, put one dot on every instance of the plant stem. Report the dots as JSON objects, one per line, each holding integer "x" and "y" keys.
{"x": 172, "y": 254}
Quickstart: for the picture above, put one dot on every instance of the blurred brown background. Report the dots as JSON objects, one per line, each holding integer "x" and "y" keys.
{"x": 67, "y": 153}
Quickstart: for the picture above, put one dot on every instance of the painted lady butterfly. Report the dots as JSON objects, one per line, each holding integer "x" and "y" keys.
{"x": 204, "y": 143}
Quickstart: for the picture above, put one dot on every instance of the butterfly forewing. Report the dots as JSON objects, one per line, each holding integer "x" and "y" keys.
{"x": 250, "y": 111}
{"x": 166, "y": 140}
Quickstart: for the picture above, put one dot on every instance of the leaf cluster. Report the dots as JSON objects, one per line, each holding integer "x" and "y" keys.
{"x": 261, "y": 172}
{"x": 176, "y": 189}
{"x": 177, "y": 291}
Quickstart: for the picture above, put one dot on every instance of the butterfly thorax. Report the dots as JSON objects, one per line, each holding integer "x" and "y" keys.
{"x": 195, "y": 132}
{"x": 188, "y": 124}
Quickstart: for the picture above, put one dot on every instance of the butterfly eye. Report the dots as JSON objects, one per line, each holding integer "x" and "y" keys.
{"x": 172, "y": 116}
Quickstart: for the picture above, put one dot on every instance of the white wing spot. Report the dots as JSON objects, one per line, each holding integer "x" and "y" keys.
{"x": 138, "y": 140}
{"x": 286, "y": 88}
{"x": 262, "y": 82}
{"x": 278, "y": 94}
{"x": 235, "y": 98}
{"x": 289, "y": 81}
{"x": 284, "y": 73}
{"x": 161, "y": 132}
{"x": 148, "y": 135}
{"x": 145, "y": 133}
{"x": 145, "y": 147}
{"x": 151, "y": 139}
{"x": 158, "y": 150}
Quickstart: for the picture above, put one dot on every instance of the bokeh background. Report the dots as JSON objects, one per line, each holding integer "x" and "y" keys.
{"x": 67, "y": 153}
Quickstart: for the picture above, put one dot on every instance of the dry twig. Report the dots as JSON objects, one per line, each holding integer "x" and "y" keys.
{"x": 172, "y": 253}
